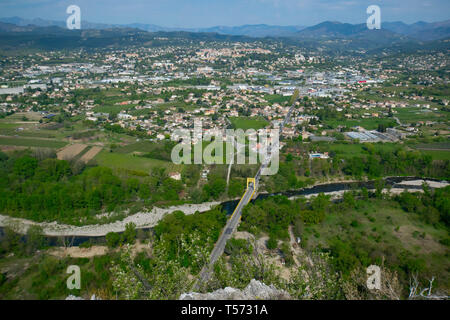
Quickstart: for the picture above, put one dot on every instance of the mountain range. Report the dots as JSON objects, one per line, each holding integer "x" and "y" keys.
{"x": 422, "y": 31}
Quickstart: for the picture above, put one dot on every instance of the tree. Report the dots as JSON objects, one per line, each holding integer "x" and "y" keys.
{"x": 35, "y": 239}
{"x": 271, "y": 243}
{"x": 129, "y": 235}
{"x": 112, "y": 239}
{"x": 25, "y": 166}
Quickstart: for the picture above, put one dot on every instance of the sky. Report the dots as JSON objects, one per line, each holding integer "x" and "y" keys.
{"x": 207, "y": 13}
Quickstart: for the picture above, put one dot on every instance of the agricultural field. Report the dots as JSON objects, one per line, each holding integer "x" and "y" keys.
{"x": 438, "y": 150}
{"x": 29, "y": 142}
{"x": 90, "y": 154}
{"x": 71, "y": 151}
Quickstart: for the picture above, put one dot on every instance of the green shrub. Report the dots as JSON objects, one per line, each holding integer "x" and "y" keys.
{"x": 113, "y": 239}
{"x": 272, "y": 243}
{"x": 86, "y": 244}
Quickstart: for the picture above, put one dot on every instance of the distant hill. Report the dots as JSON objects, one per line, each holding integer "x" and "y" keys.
{"x": 330, "y": 37}
{"x": 420, "y": 30}
{"x": 423, "y": 31}
{"x": 331, "y": 29}
{"x": 13, "y": 37}
{"x": 391, "y": 30}
{"x": 258, "y": 30}
{"x": 52, "y": 23}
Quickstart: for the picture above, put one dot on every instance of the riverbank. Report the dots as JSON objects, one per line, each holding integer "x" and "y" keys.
{"x": 410, "y": 185}
{"x": 140, "y": 219}
{"x": 149, "y": 219}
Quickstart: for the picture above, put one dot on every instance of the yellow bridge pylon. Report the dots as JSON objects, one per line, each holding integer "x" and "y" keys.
{"x": 251, "y": 180}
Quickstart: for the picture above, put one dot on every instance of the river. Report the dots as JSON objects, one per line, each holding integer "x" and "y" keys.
{"x": 75, "y": 235}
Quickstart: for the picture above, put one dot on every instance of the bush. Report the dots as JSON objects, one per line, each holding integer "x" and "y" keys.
{"x": 272, "y": 243}
{"x": 113, "y": 239}
{"x": 234, "y": 246}
{"x": 129, "y": 235}
{"x": 35, "y": 239}
{"x": 86, "y": 244}
{"x": 445, "y": 242}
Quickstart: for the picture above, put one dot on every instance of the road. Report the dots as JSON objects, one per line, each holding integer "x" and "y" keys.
{"x": 232, "y": 223}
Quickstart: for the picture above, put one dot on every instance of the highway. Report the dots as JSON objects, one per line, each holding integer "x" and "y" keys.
{"x": 233, "y": 222}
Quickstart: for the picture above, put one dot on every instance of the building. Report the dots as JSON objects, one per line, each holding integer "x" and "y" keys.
{"x": 175, "y": 175}
{"x": 317, "y": 155}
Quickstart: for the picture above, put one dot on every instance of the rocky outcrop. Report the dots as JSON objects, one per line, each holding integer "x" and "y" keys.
{"x": 255, "y": 290}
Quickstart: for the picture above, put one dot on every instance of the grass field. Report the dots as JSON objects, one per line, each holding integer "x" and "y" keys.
{"x": 354, "y": 149}
{"x": 141, "y": 146}
{"x": 30, "y": 130}
{"x": 438, "y": 154}
{"x": 438, "y": 150}
{"x": 434, "y": 146}
{"x": 112, "y": 108}
{"x": 127, "y": 161}
{"x": 25, "y": 142}
{"x": 413, "y": 114}
{"x": 245, "y": 123}
{"x": 369, "y": 123}
{"x": 276, "y": 98}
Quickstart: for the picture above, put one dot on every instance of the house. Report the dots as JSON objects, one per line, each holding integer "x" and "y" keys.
{"x": 175, "y": 175}
{"x": 124, "y": 116}
{"x": 317, "y": 155}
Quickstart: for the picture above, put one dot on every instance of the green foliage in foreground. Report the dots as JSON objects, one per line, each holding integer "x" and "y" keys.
{"x": 45, "y": 278}
{"x": 363, "y": 229}
{"x": 173, "y": 227}
{"x": 181, "y": 247}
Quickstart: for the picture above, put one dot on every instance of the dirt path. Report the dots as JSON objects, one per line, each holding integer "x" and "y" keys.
{"x": 294, "y": 246}
{"x": 297, "y": 250}
{"x": 77, "y": 252}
